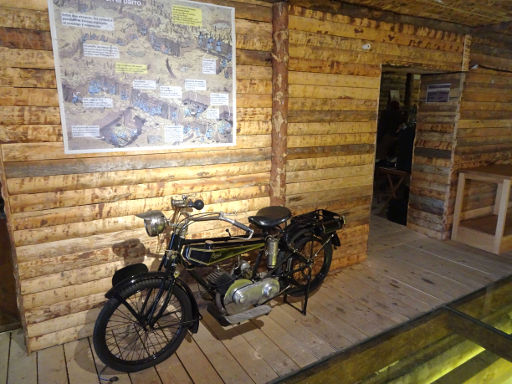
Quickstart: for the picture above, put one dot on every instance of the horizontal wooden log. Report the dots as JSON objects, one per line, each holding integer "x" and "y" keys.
{"x": 254, "y": 87}
{"x": 30, "y": 133}
{"x": 92, "y": 243}
{"x": 330, "y": 173}
{"x": 27, "y": 115}
{"x": 104, "y": 179}
{"x": 330, "y": 116}
{"x": 253, "y": 72}
{"x": 33, "y": 78}
{"x": 57, "y": 295}
{"x": 491, "y": 123}
{"x": 433, "y": 127}
{"x": 333, "y": 80}
{"x": 63, "y": 308}
{"x": 335, "y": 25}
{"x": 49, "y": 200}
{"x": 407, "y": 57}
{"x": 332, "y": 150}
{"x": 28, "y": 220}
{"x": 65, "y": 322}
{"x": 321, "y": 185}
{"x": 29, "y": 96}
{"x": 309, "y": 104}
{"x": 334, "y": 139}
{"x": 25, "y": 39}
{"x": 253, "y": 101}
{"x": 333, "y": 67}
{"x": 248, "y": 57}
{"x": 48, "y": 151}
{"x": 330, "y": 92}
{"x": 123, "y": 163}
{"x": 24, "y": 18}
{"x": 296, "y": 165}
{"x": 408, "y": 28}
{"x": 26, "y": 58}
{"x": 300, "y": 129}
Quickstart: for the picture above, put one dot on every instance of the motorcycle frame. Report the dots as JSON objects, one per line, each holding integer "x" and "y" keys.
{"x": 234, "y": 247}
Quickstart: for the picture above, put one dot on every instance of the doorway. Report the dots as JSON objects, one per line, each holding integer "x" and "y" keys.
{"x": 396, "y": 129}
{"x": 9, "y": 316}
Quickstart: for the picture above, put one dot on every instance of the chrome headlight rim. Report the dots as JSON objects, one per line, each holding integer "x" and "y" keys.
{"x": 154, "y": 222}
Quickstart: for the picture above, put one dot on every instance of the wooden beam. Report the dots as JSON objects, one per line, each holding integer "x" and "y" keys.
{"x": 280, "y": 59}
{"x": 358, "y": 11}
{"x": 483, "y": 334}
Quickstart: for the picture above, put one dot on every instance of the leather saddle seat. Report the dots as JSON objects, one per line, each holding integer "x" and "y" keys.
{"x": 270, "y": 216}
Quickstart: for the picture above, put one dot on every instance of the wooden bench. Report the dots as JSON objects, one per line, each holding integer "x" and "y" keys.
{"x": 491, "y": 229}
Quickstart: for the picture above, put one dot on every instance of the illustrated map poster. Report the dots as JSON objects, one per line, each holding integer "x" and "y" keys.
{"x": 144, "y": 74}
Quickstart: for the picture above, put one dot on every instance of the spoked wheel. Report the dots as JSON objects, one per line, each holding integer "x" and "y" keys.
{"x": 125, "y": 337}
{"x": 313, "y": 263}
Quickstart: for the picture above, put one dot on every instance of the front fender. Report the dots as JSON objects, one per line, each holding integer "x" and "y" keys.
{"x": 122, "y": 285}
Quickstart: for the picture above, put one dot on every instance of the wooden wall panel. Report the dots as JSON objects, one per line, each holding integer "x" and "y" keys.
{"x": 484, "y": 134}
{"x": 334, "y": 98}
{"x": 71, "y": 216}
{"x": 432, "y": 174}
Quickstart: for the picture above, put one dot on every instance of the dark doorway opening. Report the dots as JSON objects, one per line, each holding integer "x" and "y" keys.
{"x": 9, "y": 316}
{"x": 396, "y": 128}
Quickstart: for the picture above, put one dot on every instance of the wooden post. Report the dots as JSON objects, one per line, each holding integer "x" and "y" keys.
{"x": 279, "y": 102}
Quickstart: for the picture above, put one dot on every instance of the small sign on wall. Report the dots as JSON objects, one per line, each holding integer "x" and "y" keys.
{"x": 438, "y": 93}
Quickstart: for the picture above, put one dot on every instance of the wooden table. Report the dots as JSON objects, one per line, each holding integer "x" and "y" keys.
{"x": 489, "y": 228}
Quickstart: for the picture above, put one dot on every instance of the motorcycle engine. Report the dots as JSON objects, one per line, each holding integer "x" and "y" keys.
{"x": 244, "y": 294}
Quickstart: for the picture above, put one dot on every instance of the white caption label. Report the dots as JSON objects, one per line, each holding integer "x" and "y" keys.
{"x": 213, "y": 113}
{"x": 85, "y": 130}
{"x": 170, "y": 92}
{"x": 195, "y": 85}
{"x": 144, "y": 84}
{"x": 219, "y": 98}
{"x": 97, "y": 102}
{"x": 173, "y": 134}
{"x": 87, "y": 21}
{"x": 105, "y": 51}
{"x": 210, "y": 66}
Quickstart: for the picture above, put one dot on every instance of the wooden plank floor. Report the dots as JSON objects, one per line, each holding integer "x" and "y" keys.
{"x": 406, "y": 275}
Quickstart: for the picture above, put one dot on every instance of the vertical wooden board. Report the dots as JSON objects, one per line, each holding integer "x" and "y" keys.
{"x": 196, "y": 364}
{"x": 254, "y": 364}
{"x": 224, "y": 363}
{"x": 107, "y": 373}
{"x": 5, "y": 341}
{"x": 80, "y": 363}
{"x": 171, "y": 371}
{"x": 22, "y": 367}
{"x": 146, "y": 376}
{"x": 51, "y": 366}
{"x": 295, "y": 348}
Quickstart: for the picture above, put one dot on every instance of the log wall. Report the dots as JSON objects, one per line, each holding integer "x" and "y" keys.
{"x": 71, "y": 216}
{"x": 431, "y": 174}
{"x": 66, "y": 211}
{"x": 334, "y": 94}
{"x": 484, "y": 134}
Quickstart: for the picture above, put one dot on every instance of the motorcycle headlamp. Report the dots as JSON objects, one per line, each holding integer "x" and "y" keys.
{"x": 154, "y": 222}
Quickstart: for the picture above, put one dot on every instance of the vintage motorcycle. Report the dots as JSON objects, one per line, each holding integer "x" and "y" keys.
{"x": 148, "y": 314}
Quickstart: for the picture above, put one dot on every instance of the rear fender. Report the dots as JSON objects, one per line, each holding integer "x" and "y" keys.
{"x": 122, "y": 285}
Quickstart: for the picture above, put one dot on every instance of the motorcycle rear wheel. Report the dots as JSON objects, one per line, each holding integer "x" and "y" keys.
{"x": 308, "y": 245}
{"x": 124, "y": 344}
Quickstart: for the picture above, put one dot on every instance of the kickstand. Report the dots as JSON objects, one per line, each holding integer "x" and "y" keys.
{"x": 306, "y": 297}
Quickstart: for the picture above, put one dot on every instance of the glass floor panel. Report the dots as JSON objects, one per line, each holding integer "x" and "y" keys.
{"x": 466, "y": 341}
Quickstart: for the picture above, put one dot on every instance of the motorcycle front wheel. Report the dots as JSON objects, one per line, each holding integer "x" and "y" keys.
{"x": 309, "y": 245}
{"x": 128, "y": 344}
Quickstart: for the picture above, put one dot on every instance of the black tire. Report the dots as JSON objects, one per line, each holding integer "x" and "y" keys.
{"x": 308, "y": 244}
{"x": 123, "y": 344}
